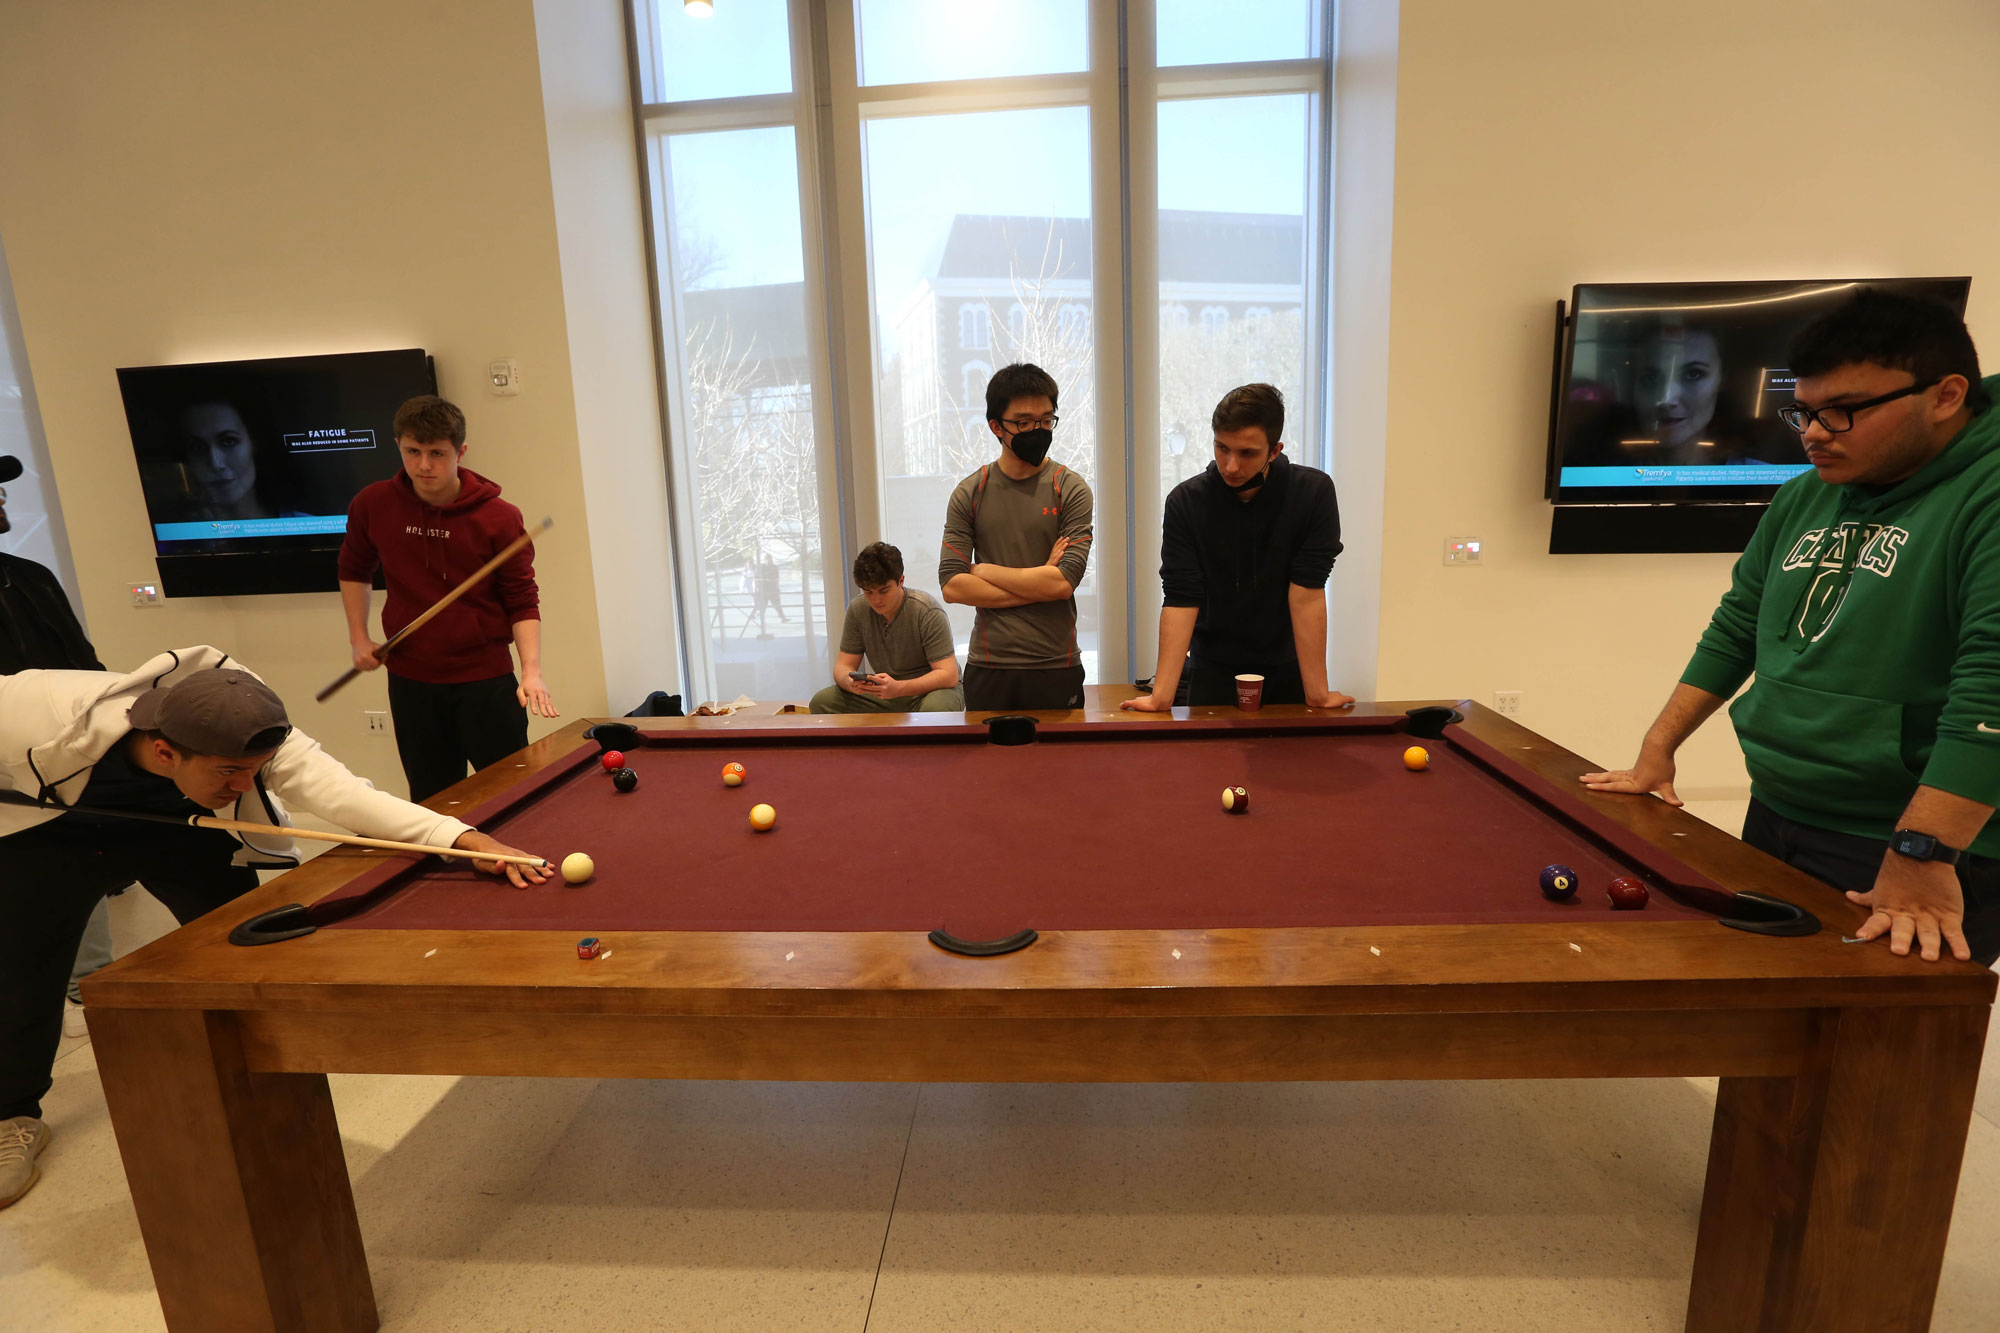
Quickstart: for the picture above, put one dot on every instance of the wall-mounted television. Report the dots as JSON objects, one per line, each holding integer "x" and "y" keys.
{"x": 1663, "y": 432}
{"x": 248, "y": 466}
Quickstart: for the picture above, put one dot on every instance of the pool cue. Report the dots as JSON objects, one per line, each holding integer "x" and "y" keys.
{"x": 244, "y": 826}
{"x": 478, "y": 576}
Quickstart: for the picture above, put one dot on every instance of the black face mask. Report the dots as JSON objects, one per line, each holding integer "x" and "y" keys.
{"x": 1251, "y": 484}
{"x": 1032, "y": 446}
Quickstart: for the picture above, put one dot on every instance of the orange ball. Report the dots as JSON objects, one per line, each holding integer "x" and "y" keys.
{"x": 732, "y": 775}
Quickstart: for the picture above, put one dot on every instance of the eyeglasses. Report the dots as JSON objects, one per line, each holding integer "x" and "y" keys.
{"x": 1835, "y": 420}
{"x": 1030, "y": 423}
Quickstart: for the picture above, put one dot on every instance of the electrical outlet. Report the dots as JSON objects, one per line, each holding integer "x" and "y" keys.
{"x": 378, "y": 723}
{"x": 1507, "y": 703}
{"x": 144, "y": 593}
{"x": 1461, "y": 550}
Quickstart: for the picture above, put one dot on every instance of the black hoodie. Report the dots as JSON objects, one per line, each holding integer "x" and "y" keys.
{"x": 37, "y": 627}
{"x": 1237, "y": 559}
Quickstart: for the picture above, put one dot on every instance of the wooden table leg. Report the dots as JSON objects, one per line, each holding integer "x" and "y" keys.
{"x": 238, "y": 1179}
{"x": 1829, "y": 1194}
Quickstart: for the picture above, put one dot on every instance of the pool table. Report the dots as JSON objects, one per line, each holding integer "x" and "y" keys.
{"x": 933, "y": 904}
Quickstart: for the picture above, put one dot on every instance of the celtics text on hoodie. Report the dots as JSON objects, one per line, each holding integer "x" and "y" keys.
{"x": 1871, "y": 619}
{"x": 424, "y": 551}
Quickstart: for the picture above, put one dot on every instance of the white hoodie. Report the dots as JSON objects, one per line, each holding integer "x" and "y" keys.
{"x": 56, "y": 725}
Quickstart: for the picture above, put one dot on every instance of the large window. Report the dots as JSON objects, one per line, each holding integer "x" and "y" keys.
{"x": 861, "y": 209}
{"x": 941, "y": 237}
{"x": 747, "y": 456}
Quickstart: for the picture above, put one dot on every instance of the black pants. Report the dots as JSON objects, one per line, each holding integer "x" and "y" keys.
{"x": 1215, "y": 682}
{"x": 51, "y": 878}
{"x": 442, "y": 728}
{"x": 1850, "y": 863}
{"x": 1051, "y": 688}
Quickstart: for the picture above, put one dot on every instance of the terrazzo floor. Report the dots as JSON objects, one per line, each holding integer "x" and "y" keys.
{"x": 523, "y": 1204}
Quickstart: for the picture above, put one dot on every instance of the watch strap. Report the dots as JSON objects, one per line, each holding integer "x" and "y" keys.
{"x": 1923, "y": 847}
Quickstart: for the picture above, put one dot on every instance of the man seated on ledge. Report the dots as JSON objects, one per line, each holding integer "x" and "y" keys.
{"x": 906, "y": 637}
{"x": 188, "y": 734}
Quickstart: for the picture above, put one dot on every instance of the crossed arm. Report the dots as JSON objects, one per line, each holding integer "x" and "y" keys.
{"x": 1003, "y": 585}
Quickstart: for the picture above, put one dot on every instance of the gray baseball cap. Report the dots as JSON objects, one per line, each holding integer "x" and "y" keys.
{"x": 218, "y": 711}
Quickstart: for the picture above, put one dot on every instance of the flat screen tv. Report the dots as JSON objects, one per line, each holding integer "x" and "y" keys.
{"x": 248, "y": 466}
{"x": 1665, "y": 414}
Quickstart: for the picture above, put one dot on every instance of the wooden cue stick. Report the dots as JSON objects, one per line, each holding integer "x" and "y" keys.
{"x": 478, "y": 576}
{"x": 353, "y": 840}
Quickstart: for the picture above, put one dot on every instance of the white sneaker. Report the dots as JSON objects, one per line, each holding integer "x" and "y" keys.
{"x": 21, "y": 1142}
{"x": 73, "y": 1024}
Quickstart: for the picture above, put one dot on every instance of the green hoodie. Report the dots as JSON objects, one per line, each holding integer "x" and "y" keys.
{"x": 1872, "y": 622}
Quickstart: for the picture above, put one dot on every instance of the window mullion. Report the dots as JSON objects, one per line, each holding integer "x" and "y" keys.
{"x": 1019, "y": 92}
{"x": 843, "y": 220}
{"x": 1245, "y": 80}
{"x": 1110, "y": 211}
{"x": 721, "y": 113}
{"x": 1142, "y": 158}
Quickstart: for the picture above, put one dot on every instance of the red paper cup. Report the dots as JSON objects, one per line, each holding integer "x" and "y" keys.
{"x": 1249, "y": 693}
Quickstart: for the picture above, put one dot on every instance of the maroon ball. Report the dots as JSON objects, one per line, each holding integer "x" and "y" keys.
{"x": 613, "y": 760}
{"x": 1626, "y": 894}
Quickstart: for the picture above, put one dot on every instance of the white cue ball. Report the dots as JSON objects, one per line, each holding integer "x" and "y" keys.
{"x": 576, "y": 868}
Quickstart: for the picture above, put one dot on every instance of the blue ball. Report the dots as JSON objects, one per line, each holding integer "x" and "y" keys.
{"x": 1558, "y": 883}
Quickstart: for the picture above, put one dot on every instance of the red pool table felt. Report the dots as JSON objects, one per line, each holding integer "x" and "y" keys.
{"x": 1091, "y": 827}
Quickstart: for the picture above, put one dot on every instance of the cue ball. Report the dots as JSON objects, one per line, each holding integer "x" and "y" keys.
{"x": 613, "y": 760}
{"x": 762, "y": 817}
{"x": 576, "y": 868}
{"x": 1235, "y": 799}
{"x": 732, "y": 775}
{"x": 624, "y": 779}
{"x": 1626, "y": 894}
{"x": 1558, "y": 883}
{"x": 1416, "y": 758}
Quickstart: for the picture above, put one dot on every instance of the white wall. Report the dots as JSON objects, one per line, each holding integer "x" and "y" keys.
{"x": 600, "y": 241}
{"x": 195, "y": 180}
{"x": 1544, "y": 143}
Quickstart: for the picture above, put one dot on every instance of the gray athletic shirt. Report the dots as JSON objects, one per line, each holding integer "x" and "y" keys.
{"x": 993, "y": 519}
{"x": 904, "y": 647}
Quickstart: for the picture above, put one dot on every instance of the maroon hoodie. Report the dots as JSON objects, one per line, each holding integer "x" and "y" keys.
{"x": 425, "y": 551}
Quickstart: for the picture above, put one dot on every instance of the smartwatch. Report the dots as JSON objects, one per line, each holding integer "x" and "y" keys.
{"x": 1922, "y": 847}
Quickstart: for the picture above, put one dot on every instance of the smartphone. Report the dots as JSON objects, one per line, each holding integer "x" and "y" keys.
{"x": 859, "y": 676}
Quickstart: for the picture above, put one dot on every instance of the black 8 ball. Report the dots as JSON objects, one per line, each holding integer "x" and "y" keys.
{"x": 624, "y": 779}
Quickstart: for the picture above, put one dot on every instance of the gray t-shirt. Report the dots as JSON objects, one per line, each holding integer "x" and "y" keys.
{"x": 994, "y": 519}
{"x": 904, "y": 647}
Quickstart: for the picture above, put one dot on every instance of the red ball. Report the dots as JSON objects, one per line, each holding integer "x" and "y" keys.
{"x": 1626, "y": 894}
{"x": 613, "y": 760}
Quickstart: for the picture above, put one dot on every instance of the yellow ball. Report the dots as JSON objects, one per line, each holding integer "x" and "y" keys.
{"x": 1416, "y": 758}
{"x": 762, "y": 817}
{"x": 576, "y": 868}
